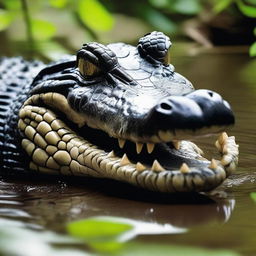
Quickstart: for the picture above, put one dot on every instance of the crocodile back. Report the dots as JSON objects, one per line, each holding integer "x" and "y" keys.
{"x": 16, "y": 76}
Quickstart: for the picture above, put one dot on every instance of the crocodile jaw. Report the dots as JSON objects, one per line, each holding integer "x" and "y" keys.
{"x": 54, "y": 148}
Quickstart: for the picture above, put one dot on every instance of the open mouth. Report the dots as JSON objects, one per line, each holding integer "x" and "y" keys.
{"x": 122, "y": 112}
{"x": 173, "y": 166}
{"x": 180, "y": 162}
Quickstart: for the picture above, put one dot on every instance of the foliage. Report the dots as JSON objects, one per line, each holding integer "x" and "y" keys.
{"x": 159, "y": 13}
{"x": 247, "y": 10}
{"x": 5, "y": 19}
{"x": 97, "y": 16}
{"x": 100, "y": 234}
{"x": 112, "y": 235}
{"x": 246, "y": 7}
{"x": 253, "y": 50}
{"x": 253, "y": 196}
{"x": 103, "y": 235}
{"x": 89, "y": 12}
{"x": 253, "y": 47}
{"x": 95, "y": 227}
{"x": 194, "y": 7}
{"x": 186, "y": 7}
{"x": 91, "y": 15}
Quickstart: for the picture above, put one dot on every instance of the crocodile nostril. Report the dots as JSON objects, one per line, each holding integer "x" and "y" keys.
{"x": 205, "y": 97}
{"x": 210, "y": 94}
{"x": 165, "y": 106}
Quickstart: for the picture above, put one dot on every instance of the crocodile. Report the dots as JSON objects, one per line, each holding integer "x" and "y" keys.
{"x": 113, "y": 111}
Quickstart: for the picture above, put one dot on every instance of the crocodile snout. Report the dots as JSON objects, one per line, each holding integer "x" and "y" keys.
{"x": 178, "y": 112}
{"x": 216, "y": 111}
{"x": 199, "y": 109}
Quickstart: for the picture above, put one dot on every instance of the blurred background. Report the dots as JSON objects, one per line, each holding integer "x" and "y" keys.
{"x": 49, "y": 28}
{"x": 40, "y": 211}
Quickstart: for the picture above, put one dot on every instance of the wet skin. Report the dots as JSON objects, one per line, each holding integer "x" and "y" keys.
{"x": 52, "y": 205}
{"x": 121, "y": 112}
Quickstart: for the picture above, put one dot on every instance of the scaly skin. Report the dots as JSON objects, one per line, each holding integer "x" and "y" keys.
{"x": 117, "y": 112}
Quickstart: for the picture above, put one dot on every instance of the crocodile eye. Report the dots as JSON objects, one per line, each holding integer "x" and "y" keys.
{"x": 94, "y": 59}
{"x": 87, "y": 69}
{"x": 155, "y": 48}
{"x": 167, "y": 58}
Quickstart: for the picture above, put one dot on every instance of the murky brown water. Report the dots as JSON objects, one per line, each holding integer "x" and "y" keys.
{"x": 225, "y": 220}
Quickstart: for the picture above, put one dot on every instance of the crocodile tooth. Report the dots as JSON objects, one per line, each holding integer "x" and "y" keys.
{"x": 157, "y": 167}
{"x": 121, "y": 143}
{"x": 176, "y": 144}
{"x": 223, "y": 137}
{"x": 232, "y": 167}
{"x": 150, "y": 147}
{"x": 165, "y": 135}
{"x": 217, "y": 145}
{"x": 225, "y": 149}
{"x": 213, "y": 164}
{"x": 198, "y": 150}
{"x": 111, "y": 154}
{"x": 124, "y": 160}
{"x": 184, "y": 168}
{"x": 139, "y": 147}
{"x": 226, "y": 160}
{"x": 140, "y": 167}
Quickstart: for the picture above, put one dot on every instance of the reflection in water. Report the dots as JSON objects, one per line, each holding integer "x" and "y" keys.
{"x": 141, "y": 227}
{"x": 54, "y": 205}
{"x": 208, "y": 220}
{"x": 20, "y": 239}
{"x": 10, "y": 206}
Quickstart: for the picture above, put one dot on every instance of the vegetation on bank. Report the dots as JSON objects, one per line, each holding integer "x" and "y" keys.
{"x": 37, "y": 24}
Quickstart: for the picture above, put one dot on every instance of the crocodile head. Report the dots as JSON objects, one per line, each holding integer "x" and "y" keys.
{"x": 122, "y": 112}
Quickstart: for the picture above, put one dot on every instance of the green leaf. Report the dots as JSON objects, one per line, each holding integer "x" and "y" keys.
{"x": 43, "y": 30}
{"x": 14, "y": 5}
{"x": 97, "y": 228}
{"x": 58, "y": 3}
{"x": 100, "y": 233}
{"x": 94, "y": 15}
{"x": 254, "y": 31}
{"x": 247, "y": 10}
{"x": 50, "y": 49}
{"x": 5, "y": 19}
{"x": 253, "y": 194}
{"x": 250, "y": 1}
{"x": 158, "y": 20}
{"x": 221, "y": 5}
{"x": 187, "y": 7}
{"x": 159, "y": 3}
{"x": 109, "y": 246}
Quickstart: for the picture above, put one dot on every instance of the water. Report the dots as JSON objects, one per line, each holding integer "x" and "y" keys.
{"x": 223, "y": 219}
